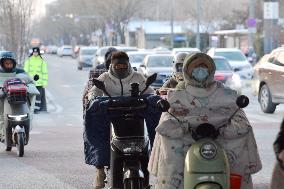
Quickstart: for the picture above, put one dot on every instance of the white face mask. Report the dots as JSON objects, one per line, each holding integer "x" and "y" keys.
{"x": 200, "y": 74}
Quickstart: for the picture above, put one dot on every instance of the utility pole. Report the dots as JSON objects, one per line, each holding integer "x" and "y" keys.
{"x": 172, "y": 23}
{"x": 251, "y": 23}
{"x": 198, "y": 23}
{"x": 270, "y": 16}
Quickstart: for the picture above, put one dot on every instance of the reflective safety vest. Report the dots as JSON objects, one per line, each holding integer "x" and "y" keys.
{"x": 35, "y": 65}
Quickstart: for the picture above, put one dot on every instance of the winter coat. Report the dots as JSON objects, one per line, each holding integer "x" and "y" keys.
{"x": 119, "y": 87}
{"x": 194, "y": 105}
{"x": 170, "y": 83}
{"x": 35, "y": 65}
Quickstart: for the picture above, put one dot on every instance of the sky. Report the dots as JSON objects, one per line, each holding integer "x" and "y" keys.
{"x": 40, "y": 7}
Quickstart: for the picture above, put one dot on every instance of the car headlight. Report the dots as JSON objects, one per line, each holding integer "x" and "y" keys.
{"x": 131, "y": 146}
{"x": 18, "y": 117}
{"x": 208, "y": 150}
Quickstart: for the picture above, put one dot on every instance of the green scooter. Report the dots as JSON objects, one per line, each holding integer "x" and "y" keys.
{"x": 206, "y": 162}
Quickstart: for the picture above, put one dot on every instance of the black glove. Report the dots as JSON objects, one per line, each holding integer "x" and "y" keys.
{"x": 36, "y": 77}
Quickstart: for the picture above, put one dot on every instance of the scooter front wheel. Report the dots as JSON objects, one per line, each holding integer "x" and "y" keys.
{"x": 20, "y": 144}
{"x": 135, "y": 183}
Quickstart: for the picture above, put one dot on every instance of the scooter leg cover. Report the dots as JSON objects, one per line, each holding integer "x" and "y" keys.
{"x": 96, "y": 140}
{"x": 31, "y": 112}
{"x": 277, "y": 180}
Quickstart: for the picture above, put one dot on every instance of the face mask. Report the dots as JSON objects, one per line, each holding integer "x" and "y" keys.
{"x": 200, "y": 74}
{"x": 120, "y": 70}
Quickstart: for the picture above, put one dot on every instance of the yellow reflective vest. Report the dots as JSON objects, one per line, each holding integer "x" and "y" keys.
{"x": 35, "y": 65}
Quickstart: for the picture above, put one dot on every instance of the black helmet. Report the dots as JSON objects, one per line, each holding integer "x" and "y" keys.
{"x": 7, "y": 55}
{"x": 108, "y": 56}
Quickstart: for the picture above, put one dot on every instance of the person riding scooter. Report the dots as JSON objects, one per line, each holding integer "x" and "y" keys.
{"x": 177, "y": 71}
{"x": 9, "y": 71}
{"x": 117, "y": 83}
{"x": 195, "y": 101}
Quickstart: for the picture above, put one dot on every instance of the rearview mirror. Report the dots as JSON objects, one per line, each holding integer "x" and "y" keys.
{"x": 151, "y": 79}
{"x": 242, "y": 101}
{"x": 100, "y": 85}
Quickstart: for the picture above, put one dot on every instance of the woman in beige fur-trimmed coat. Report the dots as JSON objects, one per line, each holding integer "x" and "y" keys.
{"x": 200, "y": 99}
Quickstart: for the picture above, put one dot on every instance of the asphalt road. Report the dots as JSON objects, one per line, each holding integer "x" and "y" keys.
{"x": 54, "y": 157}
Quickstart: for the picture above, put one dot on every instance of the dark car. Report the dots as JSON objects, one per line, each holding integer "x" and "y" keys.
{"x": 225, "y": 74}
{"x": 270, "y": 78}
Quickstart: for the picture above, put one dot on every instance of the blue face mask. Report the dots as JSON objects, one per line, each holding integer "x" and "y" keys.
{"x": 200, "y": 74}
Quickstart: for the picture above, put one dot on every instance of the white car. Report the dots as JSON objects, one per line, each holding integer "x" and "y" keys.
{"x": 136, "y": 58}
{"x": 185, "y": 49}
{"x": 237, "y": 60}
{"x": 85, "y": 57}
{"x": 65, "y": 51}
{"x": 162, "y": 64}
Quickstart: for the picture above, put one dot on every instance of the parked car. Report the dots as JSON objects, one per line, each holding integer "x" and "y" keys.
{"x": 51, "y": 49}
{"x": 162, "y": 64}
{"x": 270, "y": 76}
{"x": 65, "y": 51}
{"x": 136, "y": 58}
{"x": 237, "y": 60}
{"x": 255, "y": 81}
{"x": 225, "y": 74}
{"x": 99, "y": 58}
{"x": 189, "y": 50}
{"x": 126, "y": 48}
{"x": 86, "y": 54}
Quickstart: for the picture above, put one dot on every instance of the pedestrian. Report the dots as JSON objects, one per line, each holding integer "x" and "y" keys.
{"x": 277, "y": 181}
{"x": 35, "y": 65}
{"x": 201, "y": 99}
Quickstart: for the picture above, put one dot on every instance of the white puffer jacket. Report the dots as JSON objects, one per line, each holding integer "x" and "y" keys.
{"x": 117, "y": 87}
{"x": 194, "y": 106}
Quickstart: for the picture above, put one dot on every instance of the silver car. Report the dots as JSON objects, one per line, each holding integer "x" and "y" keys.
{"x": 86, "y": 54}
{"x": 162, "y": 64}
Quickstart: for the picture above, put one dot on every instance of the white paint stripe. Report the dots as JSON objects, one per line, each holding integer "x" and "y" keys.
{"x": 52, "y": 100}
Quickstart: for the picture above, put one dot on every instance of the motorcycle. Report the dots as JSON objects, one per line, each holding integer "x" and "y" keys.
{"x": 19, "y": 98}
{"x": 206, "y": 162}
{"x": 130, "y": 146}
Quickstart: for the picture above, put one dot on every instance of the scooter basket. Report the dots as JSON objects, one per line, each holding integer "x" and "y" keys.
{"x": 16, "y": 91}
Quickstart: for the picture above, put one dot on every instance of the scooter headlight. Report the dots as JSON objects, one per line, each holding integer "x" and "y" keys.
{"x": 208, "y": 151}
{"x": 18, "y": 117}
{"x": 131, "y": 146}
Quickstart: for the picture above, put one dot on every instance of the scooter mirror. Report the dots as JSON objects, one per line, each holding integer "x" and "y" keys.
{"x": 36, "y": 77}
{"x": 242, "y": 101}
{"x": 151, "y": 79}
{"x": 100, "y": 85}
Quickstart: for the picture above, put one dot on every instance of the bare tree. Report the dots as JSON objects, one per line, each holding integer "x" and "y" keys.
{"x": 15, "y": 23}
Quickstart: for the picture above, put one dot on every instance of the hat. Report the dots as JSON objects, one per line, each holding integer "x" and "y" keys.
{"x": 194, "y": 60}
{"x": 36, "y": 49}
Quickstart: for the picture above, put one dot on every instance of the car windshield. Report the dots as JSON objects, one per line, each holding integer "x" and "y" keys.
{"x": 222, "y": 64}
{"x": 88, "y": 51}
{"x": 136, "y": 58}
{"x": 67, "y": 49}
{"x": 234, "y": 56}
{"x": 160, "y": 61}
{"x": 102, "y": 52}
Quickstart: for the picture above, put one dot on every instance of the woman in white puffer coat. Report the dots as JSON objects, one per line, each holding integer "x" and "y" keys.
{"x": 200, "y": 99}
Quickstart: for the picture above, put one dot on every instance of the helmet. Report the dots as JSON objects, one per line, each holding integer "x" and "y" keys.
{"x": 108, "y": 54}
{"x": 7, "y": 55}
{"x": 178, "y": 64}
